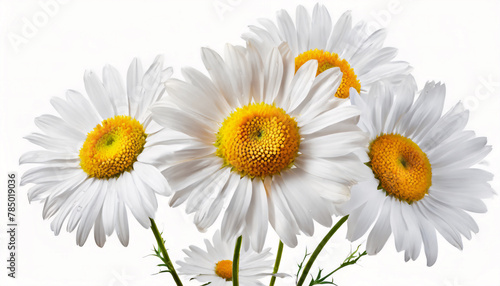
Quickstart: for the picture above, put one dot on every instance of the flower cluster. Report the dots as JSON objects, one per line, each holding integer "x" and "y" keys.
{"x": 311, "y": 119}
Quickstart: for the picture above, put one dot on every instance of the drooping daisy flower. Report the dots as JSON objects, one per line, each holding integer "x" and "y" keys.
{"x": 101, "y": 155}
{"x": 423, "y": 178}
{"x": 215, "y": 264}
{"x": 360, "y": 56}
{"x": 273, "y": 143}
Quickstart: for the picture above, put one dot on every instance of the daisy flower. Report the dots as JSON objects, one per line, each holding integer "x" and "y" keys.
{"x": 361, "y": 57}
{"x": 100, "y": 155}
{"x": 215, "y": 264}
{"x": 274, "y": 144}
{"x": 422, "y": 176}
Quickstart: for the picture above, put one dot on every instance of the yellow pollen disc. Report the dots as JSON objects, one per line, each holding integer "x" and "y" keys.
{"x": 401, "y": 167}
{"x": 112, "y": 147}
{"x": 328, "y": 60}
{"x": 258, "y": 140}
{"x": 224, "y": 269}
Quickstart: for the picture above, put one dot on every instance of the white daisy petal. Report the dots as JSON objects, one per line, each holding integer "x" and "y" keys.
{"x": 48, "y": 157}
{"x": 299, "y": 211}
{"x": 272, "y": 76}
{"x": 77, "y": 111}
{"x": 321, "y": 27}
{"x": 134, "y": 89}
{"x": 152, "y": 88}
{"x": 98, "y": 95}
{"x": 430, "y": 241}
{"x": 214, "y": 264}
{"x": 51, "y": 143}
{"x": 99, "y": 234}
{"x": 421, "y": 167}
{"x": 153, "y": 178}
{"x": 257, "y": 216}
{"x": 362, "y": 219}
{"x": 56, "y": 127}
{"x": 361, "y": 56}
{"x": 237, "y": 63}
{"x": 220, "y": 74}
{"x": 257, "y": 83}
{"x": 109, "y": 208}
{"x": 238, "y": 207}
{"x": 86, "y": 192}
{"x": 302, "y": 83}
{"x": 385, "y": 72}
{"x": 201, "y": 81}
{"x": 280, "y": 216}
{"x": 344, "y": 143}
{"x": 381, "y": 230}
{"x": 288, "y": 75}
{"x": 114, "y": 85}
{"x": 184, "y": 174}
{"x": 70, "y": 199}
{"x": 49, "y": 174}
{"x": 320, "y": 90}
{"x": 180, "y": 121}
{"x": 97, "y": 163}
{"x": 303, "y": 28}
{"x": 121, "y": 223}
{"x": 89, "y": 216}
{"x": 39, "y": 192}
{"x": 264, "y": 97}
{"x": 330, "y": 117}
{"x": 287, "y": 29}
{"x": 271, "y": 28}
{"x": 338, "y": 38}
{"x": 146, "y": 194}
{"x": 212, "y": 207}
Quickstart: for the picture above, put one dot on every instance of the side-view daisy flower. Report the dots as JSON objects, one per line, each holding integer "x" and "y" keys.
{"x": 272, "y": 142}
{"x": 215, "y": 264}
{"x": 100, "y": 155}
{"x": 361, "y": 57}
{"x": 422, "y": 175}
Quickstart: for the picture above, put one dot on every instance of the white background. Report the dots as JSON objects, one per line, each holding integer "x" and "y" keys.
{"x": 456, "y": 42}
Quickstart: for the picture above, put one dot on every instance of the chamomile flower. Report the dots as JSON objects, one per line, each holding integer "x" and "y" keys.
{"x": 101, "y": 156}
{"x": 215, "y": 264}
{"x": 271, "y": 141}
{"x": 360, "y": 56}
{"x": 422, "y": 175}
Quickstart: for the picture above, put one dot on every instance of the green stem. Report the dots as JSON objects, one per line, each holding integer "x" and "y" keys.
{"x": 277, "y": 263}
{"x": 236, "y": 261}
{"x": 319, "y": 248}
{"x": 161, "y": 245}
{"x": 346, "y": 262}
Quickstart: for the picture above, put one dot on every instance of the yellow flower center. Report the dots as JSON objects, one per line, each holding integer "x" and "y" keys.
{"x": 401, "y": 167}
{"x": 258, "y": 140}
{"x": 328, "y": 60}
{"x": 112, "y": 147}
{"x": 224, "y": 269}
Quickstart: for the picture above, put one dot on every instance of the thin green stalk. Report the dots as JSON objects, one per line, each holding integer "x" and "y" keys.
{"x": 161, "y": 245}
{"x": 348, "y": 261}
{"x": 319, "y": 248}
{"x": 236, "y": 261}
{"x": 277, "y": 263}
